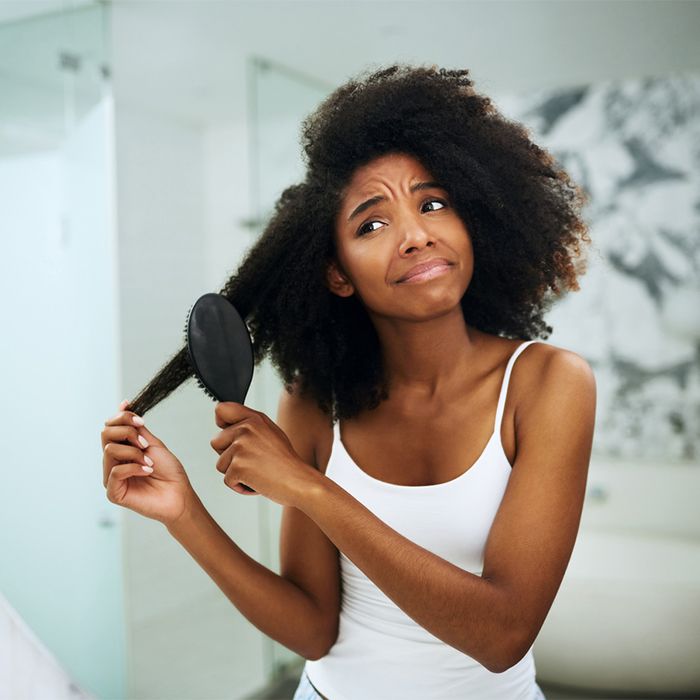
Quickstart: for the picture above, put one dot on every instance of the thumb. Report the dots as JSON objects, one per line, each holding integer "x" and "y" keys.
{"x": 152, "y": 439}
{"x": 229, "y": 412}
{"x": 143, "y": 430}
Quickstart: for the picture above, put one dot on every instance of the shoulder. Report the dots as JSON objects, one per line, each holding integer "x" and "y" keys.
{"x": 542, "y": 359}
{"x": 547, "y": 373}
{"x": 300, "y": 417}
{"x": 553, "y": 363}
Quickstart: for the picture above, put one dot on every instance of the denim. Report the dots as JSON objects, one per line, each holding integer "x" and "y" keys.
{"x": 539, "y": 695}
{"x": 305, "y": 691}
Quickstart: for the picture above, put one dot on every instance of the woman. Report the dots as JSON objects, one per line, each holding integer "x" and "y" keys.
{"x": 423, "y": 539}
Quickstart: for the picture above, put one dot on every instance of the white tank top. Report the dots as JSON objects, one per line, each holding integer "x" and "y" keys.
{"x": 380, "y": 652}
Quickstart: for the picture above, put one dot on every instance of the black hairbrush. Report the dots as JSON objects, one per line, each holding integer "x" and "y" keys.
{"x": 220, "y": 349}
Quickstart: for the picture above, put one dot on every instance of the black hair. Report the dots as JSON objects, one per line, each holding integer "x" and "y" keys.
{"x": 511, "y": 195}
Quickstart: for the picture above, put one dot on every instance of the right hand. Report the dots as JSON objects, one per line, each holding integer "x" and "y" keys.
{"x": 164, "y": 494}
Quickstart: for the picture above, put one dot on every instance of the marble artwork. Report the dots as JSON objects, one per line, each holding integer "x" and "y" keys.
{"x": 634, "y": 147}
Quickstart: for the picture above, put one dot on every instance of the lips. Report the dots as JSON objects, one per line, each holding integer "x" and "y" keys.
{"x": 422, "y": 267}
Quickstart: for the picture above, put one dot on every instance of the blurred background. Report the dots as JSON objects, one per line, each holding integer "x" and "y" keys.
{"x": 142, "y": 146}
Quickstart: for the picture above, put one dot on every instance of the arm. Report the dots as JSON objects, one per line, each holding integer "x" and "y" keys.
{"x": 276, "y": 606}
{"x": 300, "y": 607}
{"x": 495, "y": 617}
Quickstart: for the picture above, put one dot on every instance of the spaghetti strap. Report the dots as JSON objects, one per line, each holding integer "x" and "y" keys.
{"x": 504, "y": 385}
{"x": 501, "y": 397}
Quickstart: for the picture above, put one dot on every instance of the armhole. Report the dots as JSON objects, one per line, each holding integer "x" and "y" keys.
{"x": 310, "y": 420}
{"x": 322, "y": 430}
{"x": 320, "y": 427}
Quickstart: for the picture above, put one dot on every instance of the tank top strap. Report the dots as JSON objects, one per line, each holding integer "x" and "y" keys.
{"x": 501, "y": 396}
{"x": 504, "y": 385}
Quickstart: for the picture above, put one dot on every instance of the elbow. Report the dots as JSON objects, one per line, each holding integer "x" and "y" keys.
{"x": 313, "y": 656}
{"x": 508, "y": 654}
{"x": 322, "y": 642}
{"x": 502, "y": 665}
{"x": 317, "y": 652}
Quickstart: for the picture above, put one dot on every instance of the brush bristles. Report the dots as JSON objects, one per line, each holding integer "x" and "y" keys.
{"x": 194, "y": 374}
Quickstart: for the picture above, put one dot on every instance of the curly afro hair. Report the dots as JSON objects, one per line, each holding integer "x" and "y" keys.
{"x": 523, "y": 213}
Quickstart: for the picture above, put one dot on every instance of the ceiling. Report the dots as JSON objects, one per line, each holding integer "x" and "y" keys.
{"x": 188, "y": 58}
{"x": 11, "y": 10}
{"x": 199, "y": 48}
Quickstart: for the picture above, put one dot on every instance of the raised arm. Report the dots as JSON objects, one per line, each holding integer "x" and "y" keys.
{"x": 300, "y": 607}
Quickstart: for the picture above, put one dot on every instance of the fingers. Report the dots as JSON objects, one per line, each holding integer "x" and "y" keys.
{"x": 115, "y": 454}
{"x": 136, "y": 423}
{"x": 222, "y": 440}
{"x": 228, "y": 412}
{"x": 122, "y": 433}
{"x": 125, "y": 418}
{"x": 150, "y": 438}
{"x": 244, "y": 490}
{"x": 116, "y": 488}
{"x": 122, "y": 442}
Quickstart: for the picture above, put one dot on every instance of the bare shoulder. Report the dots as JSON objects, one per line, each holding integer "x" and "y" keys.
{"x": 548, "y": 360}
{"x": 304, "y": 423}
{"x": 544, "y": 368}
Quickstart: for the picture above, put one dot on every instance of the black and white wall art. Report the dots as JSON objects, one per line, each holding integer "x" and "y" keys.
{"x": 634, "y": 146}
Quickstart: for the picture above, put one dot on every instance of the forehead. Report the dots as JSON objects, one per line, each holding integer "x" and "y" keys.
{"x": 393, "y": 167}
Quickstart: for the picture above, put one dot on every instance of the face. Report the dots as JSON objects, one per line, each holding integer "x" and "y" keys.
{"x": 409, "y": 221}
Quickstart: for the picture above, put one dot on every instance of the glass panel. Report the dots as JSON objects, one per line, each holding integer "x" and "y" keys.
{"x": 279, "y": 99}
{"x": 60, "y": 544}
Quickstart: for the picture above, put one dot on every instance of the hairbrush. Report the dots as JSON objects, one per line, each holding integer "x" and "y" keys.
{"x": 220, "y": 349}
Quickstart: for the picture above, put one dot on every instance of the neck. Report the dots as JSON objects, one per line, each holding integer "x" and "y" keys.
{"x": 428, "y": 360}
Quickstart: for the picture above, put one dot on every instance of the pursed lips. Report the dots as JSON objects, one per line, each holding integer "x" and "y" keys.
{"x": 423, "y": 267}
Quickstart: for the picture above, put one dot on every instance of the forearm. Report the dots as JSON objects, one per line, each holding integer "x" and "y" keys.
{"x": 276, "y": 606}
{"x": 463, "y": 610}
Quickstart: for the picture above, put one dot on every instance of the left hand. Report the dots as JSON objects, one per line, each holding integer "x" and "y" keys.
{"x": 256, "y": 452}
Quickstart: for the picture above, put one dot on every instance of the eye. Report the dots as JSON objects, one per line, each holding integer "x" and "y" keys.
{"x": 439, "y": 201}
{"x": 362, "y": 230}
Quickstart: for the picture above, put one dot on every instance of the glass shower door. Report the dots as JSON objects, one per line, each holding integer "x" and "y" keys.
{"x": 60, "y": 542}
{"x": 279, "y": 99}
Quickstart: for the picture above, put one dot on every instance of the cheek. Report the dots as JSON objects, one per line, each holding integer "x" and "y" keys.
{"x": 466, "y": 249}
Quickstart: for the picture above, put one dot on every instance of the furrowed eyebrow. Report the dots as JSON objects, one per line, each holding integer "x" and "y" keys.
{"x": 380, "y": 198}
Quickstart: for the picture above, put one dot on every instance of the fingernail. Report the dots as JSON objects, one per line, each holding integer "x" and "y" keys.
{"x": 143, "y": 441}
{"x": 148, "y": 460}
{"x": 147, "y": 469}
{"x": 139, "y": 421}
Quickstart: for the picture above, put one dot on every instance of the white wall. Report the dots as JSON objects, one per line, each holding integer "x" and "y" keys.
{"x": 178, "y": 238}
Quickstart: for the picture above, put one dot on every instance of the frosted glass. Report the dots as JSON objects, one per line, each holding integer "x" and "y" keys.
{"x": 60, "y": 540}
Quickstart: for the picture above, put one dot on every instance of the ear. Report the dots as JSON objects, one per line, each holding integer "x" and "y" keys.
{"x": 337, "y": 281}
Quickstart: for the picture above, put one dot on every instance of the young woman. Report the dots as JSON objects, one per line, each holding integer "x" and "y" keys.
{"x": 432, "y": 486}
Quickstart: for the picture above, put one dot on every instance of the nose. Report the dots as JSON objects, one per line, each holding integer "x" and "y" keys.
{"x": 416, "y": 237}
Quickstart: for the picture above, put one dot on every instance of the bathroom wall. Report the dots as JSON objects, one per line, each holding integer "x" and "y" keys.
{"x": 60, "y": 546}
{"x": 173, "y": 608}
{"x": 104, "y": 290}
{"x": 186, "y": 203}
{"x": 53, "y": 522}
